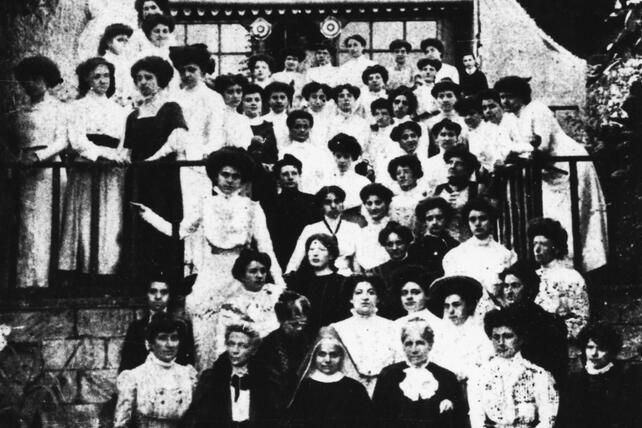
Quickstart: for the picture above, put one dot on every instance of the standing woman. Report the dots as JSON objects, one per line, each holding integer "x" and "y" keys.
{"x": 95, "y": 135}
{"x": 370, "y": 339}
{"x": 329, "y": 394}
{"x": 155, "y": 130}
{"x": 38, "y": 132}
{"x": 538, "y": 126}
{"x": 231, "y": 222}
{"x": 375, "y": 200}
{"x": 145, "y": 9}
{"x": 417, "y": 392}
{"x": 157, "y": 393}
{"x": 352, "y": 70}
{"x": 236, "y": 127}
{"x": 113, "y": 47}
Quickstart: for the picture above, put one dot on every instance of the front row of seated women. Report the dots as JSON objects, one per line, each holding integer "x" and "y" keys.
{"x": 288, "y": 381}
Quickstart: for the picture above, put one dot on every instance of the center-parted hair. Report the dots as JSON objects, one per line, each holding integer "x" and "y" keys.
{"x": 156, "y": 65}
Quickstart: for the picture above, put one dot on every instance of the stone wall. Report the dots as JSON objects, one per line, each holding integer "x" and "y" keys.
{"x": 78, "y": 346}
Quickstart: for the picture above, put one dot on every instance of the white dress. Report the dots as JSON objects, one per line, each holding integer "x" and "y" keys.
{"x": 402, "y": 207}
{"x": 351, "y": 70}
{"x": 482, "y": 260}
{"x": 316, "y": 164}
{"x": 350, "y": 182}
{"x": 562, "y": 291}
{"x": 40, "y": 128}
{"x": 203, "y": 110}
{"x": 461, "y": 348}
{"x": 327, "y": 74}
{"x": 281, "y": 131}
{"x": 236, "y": 129}
{"x": 230, "y": 223}
{"x": 537, "y": 119}
{"x": 490, "y": 144}
{"x": 512, "y": 393}
{"x": 372, "y": 342}
{"x": 155, "y": 394}
{"x": 350, "y": 124}
{"x": 96, "y": 128}
{"x": 368, "y": 252}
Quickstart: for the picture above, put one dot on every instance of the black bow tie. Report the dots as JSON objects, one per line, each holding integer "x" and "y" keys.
{"x": 239, "y": 383}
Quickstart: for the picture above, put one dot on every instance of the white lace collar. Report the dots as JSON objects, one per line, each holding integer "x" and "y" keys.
{"x": 590, "y": 368}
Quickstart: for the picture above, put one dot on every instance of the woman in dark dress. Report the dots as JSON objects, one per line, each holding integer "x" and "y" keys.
{"x": 328, "y": 394}
{"x": 317, "y": 280}
{"x": 416, "y": 392}
{"x": 155, "y": 130}
{"x": 252, "y": 106}
{"x": 604, "y": 394}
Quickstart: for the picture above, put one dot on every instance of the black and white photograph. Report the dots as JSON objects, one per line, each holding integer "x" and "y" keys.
{"x": 320, "y": 214}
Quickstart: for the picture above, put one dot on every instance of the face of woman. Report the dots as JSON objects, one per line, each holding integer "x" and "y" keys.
{"x": 332, "y": 206}
{"x": 355, "y": 49}
{"x": 376, "y": 207}
{"x": 252, "y": 104}
{"x": 328, "y": 357}
{"x": 457, "y": 168}
{"x": 428, "y": 73}
{"x": 543, "y": 250}
{"x": 413, "y": 298}
{"x": 118, "y": 45}
{"x": 375, "y": 82}
{"x": 446, "y": 139}
{"x": 400, "y": 106}
{"x": 232, "y": 96}
{"x": 159, "y": 35}
{"x": 364, "y": 299}
{"x": 238, "y": 348}
{"x": 446, "y": 100}
{"x": 492, "y": 111}
{"x": 150, "y": 8}
{"x": 435, "y": 221}
{"x": 513, "y": 290}
{"x": 165, "y": 346}
{"x": 505, "y": 342}
{"x": 455, "y": 309}
{"x": 147, "y": 83}
{"x": 416, "y": 347}
{"x": 99, "y": 79}
{"x": 469, "y": 62}
{"x": 510, "y": 102}
{"x": 396, "y": 247}
{"x": 405, "y": 177}
{"x": 596, "y": 355}
{"x": 322, "y": 56}
{"x": 255, "y": 275}
{"x": 229, "y": 180}
{"x": 191, "y": 74}
{"x": 408, "y": 141}
{"x": 345, "y": 100}
{"x": 317, "y": 100}
{"x": 261, "y": 71}
{"x": 318, "y": 255}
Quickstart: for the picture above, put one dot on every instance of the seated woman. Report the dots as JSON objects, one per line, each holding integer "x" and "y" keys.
{"x": 261, "y": 67}
{"x": 236, "y": 127}
{"x": 159, "y": 31}
{"x": 346, "y": 151}
{"x": 113, "y": 47}
{"x": 329, "y": 393}
{"x": 406, "y": 171}
{"x": 347, "y": 118}
{"x": 375, "y": 203}
{"x": 509, "y": 390}
{"x": 230, "y": 393}
{"x": 370, "y": 339}
{"x": 318, "y": 280}
{"x": 411, "y": 286}
{"x": 433, "y": 242}
{"x": 252, "y": 106}
{"x": 461, "y": 346}
{"x": 158, "y": 392}
{"x": 252, "y": 296}
{"x": 471, "y": 78}
{"x": 417, "y": 392}
{"x": 352, "y": 70}
{"x": 604, "y": 393}
{"x": 562, "y": 290}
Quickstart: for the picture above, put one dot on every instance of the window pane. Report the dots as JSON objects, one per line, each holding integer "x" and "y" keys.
{"x": 361, "y": 28}
{"x": 416, "y": 31}
{"x": 385, "y": 32}
{"x": 233, "y": 64}
{"x": 383, "y": 58}
{"x": 203, "y": 33}
{"x": 234, "y": 38}
{"x": 179, "y": 35}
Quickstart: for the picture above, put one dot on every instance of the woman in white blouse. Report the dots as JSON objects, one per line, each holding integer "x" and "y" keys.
{"x": 236, "y": 126}
{"x": 95, "y": 134}
{"x": 157, "y": 393}
{"x": 230, "y": 222}
{"x": 371, "y": 341}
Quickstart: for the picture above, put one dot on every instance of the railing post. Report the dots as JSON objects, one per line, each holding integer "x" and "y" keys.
{"x": 575, "y": 214}
{"x": 55, "y": 226}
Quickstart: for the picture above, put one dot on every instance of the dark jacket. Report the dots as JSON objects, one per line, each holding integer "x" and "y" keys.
{"x": 429, "y": 251}
{"x": 394, "y": 409}
{"x": 134, "y": 352}
{"x": 212, "y": 400}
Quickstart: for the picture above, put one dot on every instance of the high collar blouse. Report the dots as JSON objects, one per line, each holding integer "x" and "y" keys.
{"x": 512, "y": 393}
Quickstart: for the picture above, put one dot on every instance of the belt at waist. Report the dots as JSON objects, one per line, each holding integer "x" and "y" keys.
{"x": 103, "y": 140}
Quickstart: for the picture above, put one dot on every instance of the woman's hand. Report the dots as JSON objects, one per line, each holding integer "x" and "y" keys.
{"x": 445, "y": 406}
{"x": 144, "y": 211}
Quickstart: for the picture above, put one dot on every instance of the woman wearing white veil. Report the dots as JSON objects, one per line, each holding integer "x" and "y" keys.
{"x": 329, "y": 393}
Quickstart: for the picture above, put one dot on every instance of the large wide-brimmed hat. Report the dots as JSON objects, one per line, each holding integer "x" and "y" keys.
{"x": 230, "y": 156}
{"x": 192, "y": 54}
{"x": 468, "y": 288}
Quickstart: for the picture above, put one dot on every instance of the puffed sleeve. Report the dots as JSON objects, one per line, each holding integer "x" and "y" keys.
{"x": 264, "y": 242}
{"x": 543, "y": 124}
{"x": 126, "y": 387}
{"x": 547, "y": 399}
